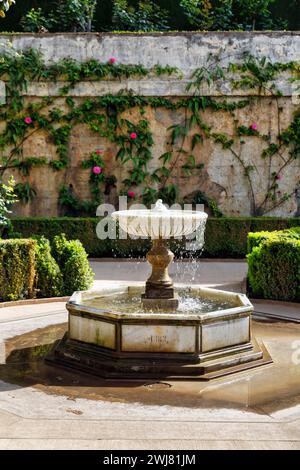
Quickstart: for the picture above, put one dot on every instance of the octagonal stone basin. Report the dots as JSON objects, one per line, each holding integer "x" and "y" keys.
{"x": 206, "y": 322}
{"x": 111, "y": 335}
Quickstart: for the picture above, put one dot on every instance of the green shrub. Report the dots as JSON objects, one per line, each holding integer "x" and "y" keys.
{"x": 274, "y": 265}
{"x": 73, "y": 262}
{"x": 17, "y": 269}
{"x": 49, "y": 280}
{"x": 256, "y": 238}
{"x": 225, "y": 237}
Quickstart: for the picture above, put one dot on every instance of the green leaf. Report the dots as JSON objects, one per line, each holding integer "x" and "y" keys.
{"x": 197, "y": 139}
{"x": 166, "y": 157}
{"x": 121, "y": 154}
{"x": 192, "y": 161}
{"x": 165, "y": 171}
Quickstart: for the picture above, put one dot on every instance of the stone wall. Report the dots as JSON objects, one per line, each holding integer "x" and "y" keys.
{"x": 222, "y": 178}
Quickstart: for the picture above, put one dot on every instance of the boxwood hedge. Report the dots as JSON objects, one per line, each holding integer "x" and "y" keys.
{"x": 33, "y": 268}
{"x": 17, "y": 269}
{"x": 274, "y": 265}
{"x": 225, "y": 237}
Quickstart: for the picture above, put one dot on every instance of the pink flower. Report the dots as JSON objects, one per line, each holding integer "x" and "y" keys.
{"x": 279, "y": 177}
{"x": 131, "y": 194}
{"x": 28, "y": 120}
{"x": 133, "y": 135}
{"x": 254, "y": 126}
{"x": 97, "y": 170}
{"x": 99, "y": 152}
{"x": 112, "y": 60}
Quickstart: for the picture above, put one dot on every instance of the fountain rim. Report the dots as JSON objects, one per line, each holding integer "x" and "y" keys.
{"x": 243, "y": 304}
{"x": 150, "y": 214}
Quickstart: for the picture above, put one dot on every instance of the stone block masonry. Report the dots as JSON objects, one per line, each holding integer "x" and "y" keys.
{"x": 222, "y": 178}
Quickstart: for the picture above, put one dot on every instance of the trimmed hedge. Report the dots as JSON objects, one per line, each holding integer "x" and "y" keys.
{"x": 73, "y": 262}
{"x": 256, "y": 238}
{"x": 274, "y": 265}
{"x": 225, "y": 237}
{"x": 17, "y": 269}
{"x": 32, "y": 268}
{"x": 49, "y": 279}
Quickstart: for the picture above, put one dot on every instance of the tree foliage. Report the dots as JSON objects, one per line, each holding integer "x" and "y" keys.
{"x": 231, "y": 14}
{"x": 147, "y": 16}
{"x": 7, "y": 198}
{"x": 67, "y": 15}
{"x": 5, "y": 6}
{"x": 157, "y": 15}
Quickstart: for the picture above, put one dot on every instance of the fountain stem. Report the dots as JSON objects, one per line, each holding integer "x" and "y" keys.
{"x": 159, "y": 293}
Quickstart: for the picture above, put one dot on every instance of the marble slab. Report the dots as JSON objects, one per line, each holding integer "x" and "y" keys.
{"x": 92, "y": 331}
{"x": 158, "y": 338}
{"x": 225, "y": 333}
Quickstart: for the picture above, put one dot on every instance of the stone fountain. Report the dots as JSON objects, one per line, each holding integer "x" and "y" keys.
{"x": 132, "y": 332}
{"x": 160, "y": 224}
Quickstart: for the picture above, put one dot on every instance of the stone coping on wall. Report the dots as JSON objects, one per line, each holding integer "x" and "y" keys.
{"x": 186, "y": 51}
{"x": 144, "y": 87}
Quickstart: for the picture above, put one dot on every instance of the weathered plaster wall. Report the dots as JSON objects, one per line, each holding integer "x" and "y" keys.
{"x": 222, "y": 178}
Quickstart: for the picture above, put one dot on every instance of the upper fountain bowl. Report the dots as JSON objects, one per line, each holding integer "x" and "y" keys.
{"x": 160, "y": 222}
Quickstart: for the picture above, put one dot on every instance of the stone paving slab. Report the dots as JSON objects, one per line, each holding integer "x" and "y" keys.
{"x": 155, "y": 444}
{"x": 195, "y": 272}
{"x": 16, "y": 432}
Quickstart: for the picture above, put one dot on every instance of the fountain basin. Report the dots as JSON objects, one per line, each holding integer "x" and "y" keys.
{"x": 160, "y": 222}
{"x": 111, "y": 335}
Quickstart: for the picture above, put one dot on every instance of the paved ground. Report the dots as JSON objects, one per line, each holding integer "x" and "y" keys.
{"x": 230, "y": 274}
{"x": 48, "y": 408}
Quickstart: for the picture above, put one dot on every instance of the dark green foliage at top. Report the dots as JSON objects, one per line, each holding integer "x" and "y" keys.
{"x": 147, "y": 16}
{"x": 65, "y": 15}
{"x": 225, "y": 15}
{"x": 73, "y": 262}
{"x": 17, "y": 269}
{"x": 274, "y": 267}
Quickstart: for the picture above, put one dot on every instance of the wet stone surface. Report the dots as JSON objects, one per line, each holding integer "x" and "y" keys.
{"x": 266, "y": 389}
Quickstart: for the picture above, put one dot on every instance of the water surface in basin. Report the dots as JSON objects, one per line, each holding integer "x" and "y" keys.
{"x": 131, "y": 303}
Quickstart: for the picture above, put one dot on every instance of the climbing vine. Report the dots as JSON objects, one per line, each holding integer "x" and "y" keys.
{"x": 260, "y": 75}
{"x": 107, "y": 116}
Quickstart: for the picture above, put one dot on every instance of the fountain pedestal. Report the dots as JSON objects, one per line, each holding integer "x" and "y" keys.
{"x": 159, "y": 293}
